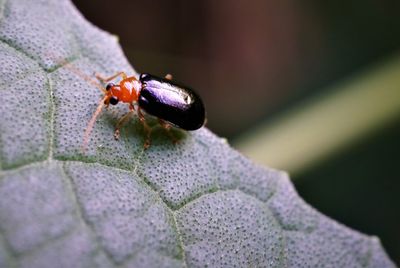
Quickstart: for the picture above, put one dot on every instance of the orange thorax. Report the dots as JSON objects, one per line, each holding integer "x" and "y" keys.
{"x": 127, "y": 90}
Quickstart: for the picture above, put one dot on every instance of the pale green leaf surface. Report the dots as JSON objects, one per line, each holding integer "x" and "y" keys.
{"x": 195, "y": 204}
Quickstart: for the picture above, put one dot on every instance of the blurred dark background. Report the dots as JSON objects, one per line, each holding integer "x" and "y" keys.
{"x": 253, "y": 60}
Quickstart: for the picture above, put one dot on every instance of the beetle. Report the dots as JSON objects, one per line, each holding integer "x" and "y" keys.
{"x": 172, "y": 103}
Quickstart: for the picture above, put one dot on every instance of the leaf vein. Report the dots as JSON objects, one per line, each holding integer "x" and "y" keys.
{"x": 81, "y": 214}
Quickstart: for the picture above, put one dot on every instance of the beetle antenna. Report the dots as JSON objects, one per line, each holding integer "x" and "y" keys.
{"x": 85, "y": 77}
{"x": 64, "y": 63}
{"x": 91, "y": 123}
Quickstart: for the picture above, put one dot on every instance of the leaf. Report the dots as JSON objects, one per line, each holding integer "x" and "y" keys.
{"x": 198, "y": 203}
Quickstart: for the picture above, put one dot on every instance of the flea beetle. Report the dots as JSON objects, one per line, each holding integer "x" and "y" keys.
{"x": 172, "y": 103}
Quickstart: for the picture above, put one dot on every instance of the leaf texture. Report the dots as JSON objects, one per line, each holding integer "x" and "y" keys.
{"x": 195, "y": 204}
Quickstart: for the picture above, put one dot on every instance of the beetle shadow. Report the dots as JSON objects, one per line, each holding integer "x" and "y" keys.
{"x": 173, "y": 136}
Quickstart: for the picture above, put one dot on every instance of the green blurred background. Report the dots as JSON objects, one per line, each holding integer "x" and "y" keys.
{"x": 260, "y": 64}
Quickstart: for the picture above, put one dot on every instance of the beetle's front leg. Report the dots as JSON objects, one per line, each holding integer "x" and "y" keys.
{"x": 104, "y": 80}
{"x": 122, "y": 121}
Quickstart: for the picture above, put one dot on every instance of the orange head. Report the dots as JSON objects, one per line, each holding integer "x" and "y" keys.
{"x": 126, "y": 91}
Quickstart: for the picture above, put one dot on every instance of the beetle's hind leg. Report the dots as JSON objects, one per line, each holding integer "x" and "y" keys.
{"x": 167, "y": 128}
{"x": 122, "y": 121}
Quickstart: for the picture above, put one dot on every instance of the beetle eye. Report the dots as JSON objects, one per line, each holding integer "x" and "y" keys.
{"x": 113, "y": 100}
{"x": 108, "y": 87}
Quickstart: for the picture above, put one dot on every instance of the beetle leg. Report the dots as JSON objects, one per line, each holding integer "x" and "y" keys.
{"x": 167, "y": 128}
{"x": 103, "y": 79}
{"x": 146, "y": 128}
{"x": 122, "y": 121}
{"x": 168, "y": 76}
